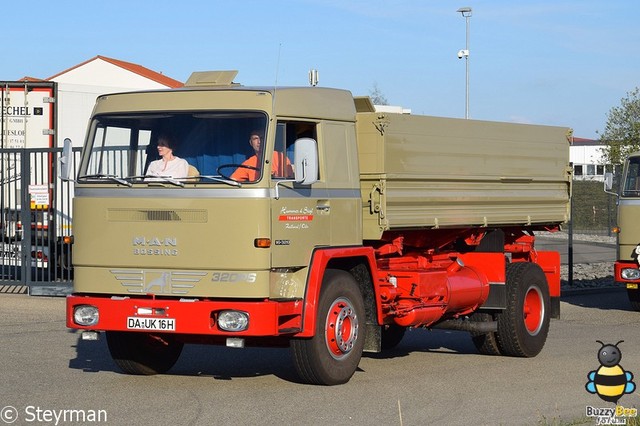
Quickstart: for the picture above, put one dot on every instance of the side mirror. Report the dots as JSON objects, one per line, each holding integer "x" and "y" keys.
{"x": 64, "y": 170}
{"x": 608, "y": 182}
{"x": 305, "y": 158}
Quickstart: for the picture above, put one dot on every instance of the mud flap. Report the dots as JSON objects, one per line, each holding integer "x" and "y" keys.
{"x": 373, "y": 338}
{"x": 555, "y": 307}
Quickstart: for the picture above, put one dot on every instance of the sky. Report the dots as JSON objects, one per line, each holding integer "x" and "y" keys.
{"x": 552, "y": 62}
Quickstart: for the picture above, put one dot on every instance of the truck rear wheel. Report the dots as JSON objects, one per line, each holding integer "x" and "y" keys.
{"x": 333, "y": 354}
{"x": 523, "y": 326}
{"x": 634, "y": 298}
{"x": 143, "y": 353}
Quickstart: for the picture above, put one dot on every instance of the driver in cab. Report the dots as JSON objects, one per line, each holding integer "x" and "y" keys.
{"x": 250, "y": 168}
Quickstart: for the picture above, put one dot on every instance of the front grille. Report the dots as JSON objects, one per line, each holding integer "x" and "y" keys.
{"x": 161, "y": 215}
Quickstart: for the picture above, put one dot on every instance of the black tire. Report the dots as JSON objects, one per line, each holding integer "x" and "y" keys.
{"x": 634, "y": 298}
{"x": 333, "y": 354}
{"x": 392, "y": 335}
{"x": 523, "y": 326}
{"x": 486, "y": 343}
{"x": 143, "y": 353}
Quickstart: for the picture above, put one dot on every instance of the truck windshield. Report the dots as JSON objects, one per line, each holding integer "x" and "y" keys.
{"x": 631, "y": 184}
{"x": 123, "y": 148}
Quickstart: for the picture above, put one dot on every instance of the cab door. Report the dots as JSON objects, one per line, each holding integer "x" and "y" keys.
{"x": 301, "y": 216}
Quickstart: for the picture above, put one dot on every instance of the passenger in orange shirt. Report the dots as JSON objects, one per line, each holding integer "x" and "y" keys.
{"x": 251, "y": 171}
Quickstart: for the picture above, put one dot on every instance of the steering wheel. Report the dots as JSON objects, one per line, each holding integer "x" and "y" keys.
{"x": 242, "y": 166}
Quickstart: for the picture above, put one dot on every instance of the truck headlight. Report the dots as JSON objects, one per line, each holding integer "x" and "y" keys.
{"x": 630, "y": 273}
{"x": 233, "y": 320}
{"x": 86, "y": 315}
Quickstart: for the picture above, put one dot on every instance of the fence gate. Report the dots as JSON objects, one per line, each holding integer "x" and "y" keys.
{"x": 35, "y": 222}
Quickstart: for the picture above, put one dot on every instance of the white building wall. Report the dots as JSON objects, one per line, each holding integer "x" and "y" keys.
{"x": 585, "y": 154}
{"x": 75, "y": 104}
{"x": 588, "y": 163}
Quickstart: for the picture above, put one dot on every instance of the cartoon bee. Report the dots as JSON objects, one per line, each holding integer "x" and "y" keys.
{"x": 610, "y": 381}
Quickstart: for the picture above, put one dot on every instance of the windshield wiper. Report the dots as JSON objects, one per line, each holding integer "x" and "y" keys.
{"x": 156, "y": 179}
{"x": 159, "y": 179}
{"x": 111, "y": 178}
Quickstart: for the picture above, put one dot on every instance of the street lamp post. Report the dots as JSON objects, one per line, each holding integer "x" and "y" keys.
{"x": 466, "y": 13}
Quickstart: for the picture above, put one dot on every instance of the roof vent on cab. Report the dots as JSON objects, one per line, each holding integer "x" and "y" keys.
{"x": 212, "y": 78}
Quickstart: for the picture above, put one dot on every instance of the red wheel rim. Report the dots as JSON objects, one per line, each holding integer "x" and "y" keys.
{"x": 533, "y": 310}
{"x": 341, "y": 328}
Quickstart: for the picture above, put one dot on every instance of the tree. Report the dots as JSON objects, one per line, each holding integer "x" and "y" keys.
{"x": 621, "y": 135}
{"x": 376, "y": 95}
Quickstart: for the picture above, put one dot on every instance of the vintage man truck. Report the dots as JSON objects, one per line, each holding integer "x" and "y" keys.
{"x": 627, "y": 265}
{"x": 352, "y": 226}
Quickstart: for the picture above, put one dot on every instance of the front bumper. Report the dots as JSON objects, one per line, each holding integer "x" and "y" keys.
{"x": 619, "y": 267}
{"x": 190, "y": 316}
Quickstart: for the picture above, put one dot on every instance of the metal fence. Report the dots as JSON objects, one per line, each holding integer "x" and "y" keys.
{"x": 593, "y": 211}
{"x": 35, "y": 222}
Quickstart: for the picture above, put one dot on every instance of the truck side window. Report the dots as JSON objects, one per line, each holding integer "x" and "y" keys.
{"x": 286, "y": 134}
{"x": 632, "y": 179}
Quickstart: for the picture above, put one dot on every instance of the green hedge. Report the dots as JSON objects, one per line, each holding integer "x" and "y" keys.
{"x": 594, "y": 211}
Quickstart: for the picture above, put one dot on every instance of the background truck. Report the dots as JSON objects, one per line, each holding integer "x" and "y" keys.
{"x": 627, "y": 265}
{"x": 382, "y": 222}
{"x": 33, "y": 227}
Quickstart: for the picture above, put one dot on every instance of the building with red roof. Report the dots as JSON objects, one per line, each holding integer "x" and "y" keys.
{"x": 80, "y": 85}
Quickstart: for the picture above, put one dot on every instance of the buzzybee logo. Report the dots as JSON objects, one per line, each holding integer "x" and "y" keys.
{"x": 610, "y": 381}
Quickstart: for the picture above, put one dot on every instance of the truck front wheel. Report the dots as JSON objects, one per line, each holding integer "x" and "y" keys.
{"x": 523, "y": 326}
{"x": 143, "y": 353}
{"x": 333, "y": 354}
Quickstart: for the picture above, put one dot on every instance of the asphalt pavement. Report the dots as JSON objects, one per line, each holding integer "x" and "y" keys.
{"x": 432, "y": 378}
{"x": 583, "y": 251}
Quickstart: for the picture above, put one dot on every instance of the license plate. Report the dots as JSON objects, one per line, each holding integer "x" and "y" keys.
{"x": 154, "y": 324}
{"x": 632, "y": 286}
